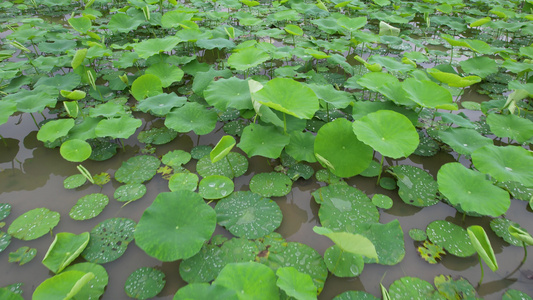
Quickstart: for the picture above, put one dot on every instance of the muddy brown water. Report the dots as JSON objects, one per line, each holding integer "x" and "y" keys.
{"x": 31, "y": 176}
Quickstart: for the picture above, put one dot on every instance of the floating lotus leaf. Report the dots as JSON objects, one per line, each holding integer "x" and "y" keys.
{"x": 251, "y": 280}
{"x": 95, "y": 288}
{"x": 200, "y": 151}
{"x": 144, "y": 283}
{"x": 62, "y": 286}
{"x": 451, "y": 288}
{"x": 355, "y": 295}
{"x": 267, "y": 141}
{"x": 23, "y": 255}
{"x": 373, "y": 170}
{"x": 517, "y": 190}
{"x": 500, "y": 226}
{"x": 451, "y": 237}
{"x": 509, "y": 163}
{"x": 471, "y": 190}
{"x": 176, "y": 158}
{"x": 343, "y": 264}
{"x": 271, "y": 184}
{"x": 247, "y": 58}
{"x": 388, "y": 132}
{"x": 54, "y": 129}
{"x": 300, "y": 170}
{"x": 168, "y": 74}
{"x": 7, "y": 294}
{"x": 246, "y": 214}
{"x": 5, "y": 210}
{"x": 215, "y": 187}
{"x": 75, "y": 150}
{"x": 160, "y": 105}
{"x": 301, "y": 146}
{"x": 412, "y": 288}
{"x": 344, "y": 208}
{"x": 183, "y": 181}
{"x": 150, "y": 47}
{"x": 463, "y": 140}
{"x": 103, "y": 150}
{"x": 418, "y": 235}
{"x": 383, "y": 201}
{"x": 130, "y": 192}
{"x": 296, "y": 284}
{"x": 120, "y": 128}
{"x": 65, "y": 248}
{"x": 430, "y": 252}
{"x": 237, "y": 166}
{"x": 338, "y": 148}
{"x": 511, "y": 126}
{"x": 200, "y": 291}
{"x": 222, "y": 148}
{"x": 89, "y": 206}
{"x": 232, "y": 92}
{"x": 513, "y": 294}
{"x": 192, "y": 116}
{"x": 417, "y": 187}
{"x": 33, "y": 224}
{"x": 109, "y": 240}
{"x": 175, "y": 226}
{"x": 5, "y": 240}
{"x": 428, "y": 94}
{"x": 388, "y": 240}
{"x": 138, "y": 169}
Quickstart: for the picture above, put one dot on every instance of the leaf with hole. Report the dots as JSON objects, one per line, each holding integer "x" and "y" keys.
{"x": 109, "y": 240}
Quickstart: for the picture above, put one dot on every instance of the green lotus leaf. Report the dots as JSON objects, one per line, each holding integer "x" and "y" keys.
{"x": 352, "y": 24}
{"x": 192, "y": 116}
{"x": 176, "y": 158}
{"x": 300, "y": 170}
{"x": 65, "y": 248}
{"x": 453, "y": 79}
{"x": 513, "y": 294}
{"x": 107, "y": 110}
{"x": 500, "y": 226}
{"x": 511, "y": 126}
{"x": 246, "y": 214}
{"x": 417, "y": 187}
{"x": 57, "y": 46}
{"x": 251, "y": 280}
{"x": 355, "y": 295}
{"x": 482, "y": 66}
{"x": 174, "y": 18}
{"x": 363, "y": 108}
{"x": 218, "y": 43}
{"x": 451, "y": 288}
{"x": 103, "y": 150}
{"x": 271, "y": 184}
{"x": 157, "y": 136}
{"x": 183, "y": 181}
{"x": 5, "y": 240}
{"x": 5, "y": 210}
{"x": 35, "y": 100}
{"x": 295, "y": 283}
{"x": 301, "y": 146}
{"x": 464, "y": 140}
{"x": 62, "y": 286}
{"x": 391, "y": 64}
{"x": 144, "y": 283}
{"x": 373, "y": 170}
{"x": 130, "y": 192}
{"x": 342, "y": 263}
{"x": 123, "y": 23}
{"x": 7, "y": 294}
{"x": 160, "y": 105}
{"x": 7, "y": 108}
{"x": 388, "y": 132}
{"x": 23, "y": 255}
{"x": 75, "y": 150}
{"x": 222, "y": 148}
{"x": 166, "y": 236}
{"x": 451, "y": 237}
{"x": 54, "y": 129}
{"x": 33, "y": 224}
{"x": 471, "y": 190}
{"x": 511, "y": 163}
{"x": 382, "y": 201}
{"x": 418, "y": 235}
{"x": 89, "y": 206}
{"x": 293, "y": 29}
{"x": 288, "y": 96}
{"x": 168, "y": 74}
{"x": 84, "y": 130}
{"x": 73, "y": 95}
{"x": 388, "y": 240}
{"x": 338, "y": 148}
{"x": 149, "y": 47}
{"x": 200, "y": 291}
{"x": 521, "y": 234}
{"x": 328, "y": 93}
{"x": 147, "y": 85}
{"x": 267, "y": 141}
{"x": 215, "y": 187}
{"x": 481, "y": 243}
{"x": 349, "y": 242}
{"x": 109, "y": 240}
{"x": 374, "y": 81}
{"x": 232, "y": 92}
{"x": 517, "y": 190}
{"x": 412, "y": 288}
{"x": 96, "y": 286}
{"x": 247, "y": 58}
{"x": 459, "y": 119}
{"x": 121, "y": 127}
{"x": 202, "y": 79}
{"x": 234, "y": 166}
{"x": 428, "y": 94}
{"x": 137, "y": 169}
{"x": 81, "y": 24}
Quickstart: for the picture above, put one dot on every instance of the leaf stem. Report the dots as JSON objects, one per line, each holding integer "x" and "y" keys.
{"x": 481, "y": 266}
{"x": 380, "y": 168}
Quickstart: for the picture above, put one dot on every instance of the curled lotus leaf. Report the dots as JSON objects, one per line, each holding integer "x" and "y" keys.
{"x": 65, "y": 248}
{"x": 64, "y": 285}
{"x": 95, "y": 288}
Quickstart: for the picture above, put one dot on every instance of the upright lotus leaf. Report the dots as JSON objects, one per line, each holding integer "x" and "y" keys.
{"x": 464, "y": 141}
{"x": 65, "y": 248}
{"x": 428, "y": 94}
{"x": 388, "y": 132}
{"x": 33, "y": 224}
{"x": 251, "y": 280}
{"x": 167, "y": 73}
{"x": 175, "y": 226}
{"x": 451, "y": 237}
{"x": 200, "y": 291}
{"x": 511, "y": 126}
{"x": 267, "y": 141}
{"x": 349, "y": 242}
{"x": 338, "y": 148}
{"x": 293, "y": 29}
{"x": 288, "y": 96}
{"x": 387, "y": 29}
{"x": 363, "y": 108}
{"x": 481, "y": 243}
{"x": 218, "y": 43}
{"x": 417, "y": 187}
{"x": 121, "y": 128}
{"x": 124, "y": 23}
{"x": 149, "y": 47}
{"x": 232, "y": 92}
{"x": 107, "y": 110}
{"x": 130, "y": 192}
{"x": 192, "y": 116}
{"x": 412, "y": 288}
{"x": 160, "y": 105}
{"x": 202, "y": 79}
{"x": 222, "y": 148}
{"x": 460, "y": 120}
{"x": 471, "y": 190}
{"x": 89, "y": 206}
{"x": 328, "y": 93}
{"x": 35, "y": 100}
{"x": 75, "y": 150}
{"x": 109, "y": 240}
{"x": 144, "y": 283}
{"x": 7, "y": 108}
{"x": 147, "y": 85}
{"x": 246, "y": 214}
{"x": 247, "y": 58}
{"x": 296, "y": 284}
{"x": 95, "y": 288}
{"x": 215, "y": 187}
{"x": 453, "y": 79}
{"x": 482, "y": 66}
{"x": 81, "y": 24}
{"x": 234, "y": 166}
{"x": 271, "y": 184}
{"x": 62, "y": 286}
{"x": 301, "y": 146}
{"x": 138, "y": 169}
{"x": 23, "y": 255}
{"x": 54, "y": 129}
{"x": 375, "y": 81}
{"x": 509, "y": 163}
{"x": 352, "y": 24}
{"x": 388, "y": 241}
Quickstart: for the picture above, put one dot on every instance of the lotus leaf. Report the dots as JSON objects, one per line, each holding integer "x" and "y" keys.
{"x": 33, "y": 224}
{"x": 342, "y": 263}
{"x": 267, "y": 141}
{"x": 412, "y": 288}
{"x": 130, "y": 192}
{"x": 109, "y": 240}
{"x": 149, "y": 47}
{"x": 138, "y": 169}
{"x": 251, "y": 280}
{"x": 500, "y": 226}
{"x": 7, "y": 108}
{"x": 247, "y": 58}
{"x": 81, "y": 24}
{"x": 218, "y": 43}
{"x": 382, "y": 201}
{"x": 222, "y": 148}
{"x": 59, "y": 82}
{"x": 103, "y": 150}
{"x": 107, "y": 110}
{"x": 451, "y": 288}
{"x": 62, "y": 286}
{"x": 300, "y": 170}
{"x": 460, "y": 119}
{"x": 374, "y": 81}
{"x": 215, "y": 187}
{"x": 96, "y": 286}
{"x": 122, "y": 127}
{"x": 89, "y": 206}
{"x": 54, "y": 129}
{"x": 430, "y": 252}
{"x": 75, "y": 150}
{"x": 203, "y": 79}
{"x": 328, "y": 93}
{"x": 183, "y": 181}
{"x": 513, "y": 294}
{"x": 481, "y": 243}
{"x": 7, "y": 294}
{"x": 123, "y": 23}
{"x": 271, "y": 184}
{"x": 157, "y": 136}
{"x": 453, "y": 80}
{"x": 511, "y": 126}
{"x": 418, "y": 235}
{"x": 144, "y": 283}
{"x": 168, "y": 74}
{"x": 390, "y": 63}
{"x": 451, "y": 237}
{"x": 200, "y": 291}
{"x": 234, "y": 166}
{"x": 482, "y": 66}
{"x": 427, "y": 146}
{"x": 23, "y": 255}
{"x": 200, "y": 151}
{"x": 5, "y": 210}
{"x": 511, "y": 163}
{"x": 301, "y": 146}
{"x": 232, "y": 92}
{"x": 296, "y": 284}
{"x": 463, "y": 140}
{"x": 388, "y": 241}
{"x": 355, "y": 295}
{"x": 5, "y": 240}
{"x": 428, "y": 94}
{"x": 166, "y": 236}
{"x": 246, "y": 214}
{"x": 65, "y": 248}
{"x": 517, "y": 190}
{"x": 417, "y": 187}
{"x": 160, "y": 105}
{"x": 192, "y": 116}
